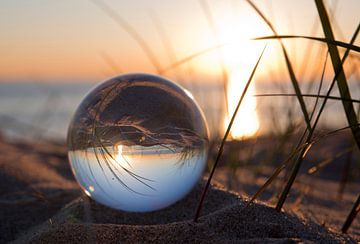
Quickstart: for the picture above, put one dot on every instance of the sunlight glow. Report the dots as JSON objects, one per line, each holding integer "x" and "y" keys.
{"x": 87, "y": 193}
{"x": 246, "y": 123}
{"x": 120, "y": 158}
{"x": 240, "y": 58}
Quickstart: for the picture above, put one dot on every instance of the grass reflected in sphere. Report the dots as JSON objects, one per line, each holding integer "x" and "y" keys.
{"x": 138, "y": 143}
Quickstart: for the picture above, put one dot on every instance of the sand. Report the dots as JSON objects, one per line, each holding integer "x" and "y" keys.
{"x": 224, "y": 219}
{"x": 41, "y": 203}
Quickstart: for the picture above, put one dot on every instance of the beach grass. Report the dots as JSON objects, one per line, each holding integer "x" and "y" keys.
{"x": 286, "y": 167}
{"x": 304, "y": 145}
{"x": 227, "y": 132}
{"x": 295, "y": 158}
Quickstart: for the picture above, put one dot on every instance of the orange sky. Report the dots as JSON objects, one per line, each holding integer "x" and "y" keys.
{"x": 71, "y": 41}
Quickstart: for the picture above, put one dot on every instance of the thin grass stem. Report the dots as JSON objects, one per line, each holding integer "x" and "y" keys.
{"x": 352, "y": 215}
{"x": 131, "y": 31}
{"x": 290, "y": 69}
{"x": 164, "y": 37}
{"x": 207, "y": 11}
{"x": 276, "y": 172}
{"x": 111, "y": 63}
{"x": 202, "y": 198}
{"x": 304, "y": 149}
{"x": 306, "y": 95}
{"x": 298, "y": 162}
{"x": 190, "y": 57}
{"x": 344, "y": 92}
{"x": 324, "y": 40}
{"x": 319, "y": 88}
{"x": 338, "y": 67}
{"x": 346, "y": 170}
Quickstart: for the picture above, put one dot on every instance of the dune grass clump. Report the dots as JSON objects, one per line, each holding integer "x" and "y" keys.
{"x": 293, "y": 161}
{"x": 304, "y": 145}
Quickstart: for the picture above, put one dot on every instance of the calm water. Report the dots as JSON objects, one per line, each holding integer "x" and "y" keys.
{"x": 45, "y": 110}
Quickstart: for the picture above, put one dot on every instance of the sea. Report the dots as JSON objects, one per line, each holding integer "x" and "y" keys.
{"x": 44, "y": 110}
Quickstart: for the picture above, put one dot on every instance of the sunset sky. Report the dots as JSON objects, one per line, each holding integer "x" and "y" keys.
{"x": 71, "y": 41}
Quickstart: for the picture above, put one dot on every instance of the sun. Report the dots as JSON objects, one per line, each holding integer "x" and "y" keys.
{"x": 240, "y": 55}
{"x": 246, "y": 123}
{"x": 120, "y": 157}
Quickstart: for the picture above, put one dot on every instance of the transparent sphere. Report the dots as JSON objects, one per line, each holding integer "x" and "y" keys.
{"x": 138, "y": 143}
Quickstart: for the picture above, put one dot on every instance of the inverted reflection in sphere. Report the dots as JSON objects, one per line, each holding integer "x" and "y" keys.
{"x": 138, "y": 142}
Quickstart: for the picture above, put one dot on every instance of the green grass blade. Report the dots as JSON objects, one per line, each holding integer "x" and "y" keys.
{"x": 324, "y": 40}
{"x": 290, "y": 69}
{"x": 202, "y": 198}
{"x": 337, "y": 65}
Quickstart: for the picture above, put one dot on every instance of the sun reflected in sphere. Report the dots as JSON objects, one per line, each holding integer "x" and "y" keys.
{"x": 138, "y": 143}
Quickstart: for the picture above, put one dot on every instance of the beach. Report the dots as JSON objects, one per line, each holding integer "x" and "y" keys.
{"x": 41, "y": 202}
{"x": 180, "y": 121}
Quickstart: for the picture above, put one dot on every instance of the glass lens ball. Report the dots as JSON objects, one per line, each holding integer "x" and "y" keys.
{"x": 138, "y": 143}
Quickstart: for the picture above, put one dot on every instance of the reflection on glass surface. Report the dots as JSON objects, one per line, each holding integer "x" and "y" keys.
{"x": 138, "y": 143}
